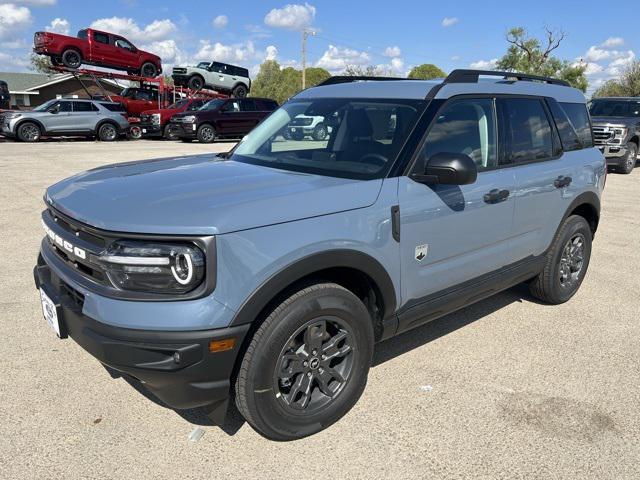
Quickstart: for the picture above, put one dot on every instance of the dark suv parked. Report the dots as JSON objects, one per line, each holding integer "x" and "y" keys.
{"x": 219, "y": 118}
{"x": 4, "y": 95}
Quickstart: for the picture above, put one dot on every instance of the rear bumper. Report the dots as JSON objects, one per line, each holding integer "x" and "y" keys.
{"x": 176, "y": 366}
{"x": 184, "y": 130}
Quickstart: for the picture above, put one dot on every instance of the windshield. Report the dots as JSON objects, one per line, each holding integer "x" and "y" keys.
{"x": 339, "y": 137}
{"x": 178, "y": 104}
{"x": 203, "y": 65}
{"x": 615, "y": 108}
{"x": 45, "y": 106}
{"x": 212, "y": 104}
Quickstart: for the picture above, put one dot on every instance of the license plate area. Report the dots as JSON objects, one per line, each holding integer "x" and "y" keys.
{"x": 52, "y": 313}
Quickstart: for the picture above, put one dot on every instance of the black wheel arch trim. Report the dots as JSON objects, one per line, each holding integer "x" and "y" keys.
{"x": 301, "y": 268}
{"x": 585, "y": 198}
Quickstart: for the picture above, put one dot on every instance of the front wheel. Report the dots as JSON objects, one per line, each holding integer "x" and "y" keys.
{"x": 169, "y": 133}
{"x": 196, "y": 82}
{"x": 320, "y": 132}
{"x": 206, "y": 134}
{"x": 307, "y": 364}
{"x": 566, "y": 262}
{"x": 29, "y": 132}
{"x": 630, "y": 159}
{"x": 148, "y": 70}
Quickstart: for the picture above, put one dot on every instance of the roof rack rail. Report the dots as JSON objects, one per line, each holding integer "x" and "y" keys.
{"x": 471, "y": 76}
{"x": 356, "y": 78}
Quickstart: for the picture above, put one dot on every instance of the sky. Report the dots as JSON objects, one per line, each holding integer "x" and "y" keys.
{"x": 395, "y": 35}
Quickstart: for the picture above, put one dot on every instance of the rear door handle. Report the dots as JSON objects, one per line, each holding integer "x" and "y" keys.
{"x": 562, "y": 181}
{"x": 496, "y": 196}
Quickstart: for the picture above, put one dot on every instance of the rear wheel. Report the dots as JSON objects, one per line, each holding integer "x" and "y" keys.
{"x": 630, "y": 159}
{"x": 239, "y": 91}
{"x": 107, "y": 132}
{"x": 71, "y": 58}
{"x": 307, "y": 364}
{"x": 196, "y": 82}
{"x": 206, "y": 133}
{"x": 148, "y": 70}
{"x": 566, "y": 262}
{"x": 29, "y": 132}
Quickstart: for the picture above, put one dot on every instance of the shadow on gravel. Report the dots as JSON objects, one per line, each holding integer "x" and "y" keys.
{"x": 396, "y": 346}
{"x": 384, "y": 351}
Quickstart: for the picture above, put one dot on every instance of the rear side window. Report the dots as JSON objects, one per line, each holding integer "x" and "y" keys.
{"x": 250, "y": 105}
{"x": 240, "y": 72}
{"x": 269, "y": 105}
{"x": 113, "y": 107}
{"x": 528, "y": 134}
{"x": 568, "y": 135}
{"x": 579, "y": 118}
{"x": 84, "y": 107}
{"x": 101, "y": 37}
{"x": 463, "y": 126}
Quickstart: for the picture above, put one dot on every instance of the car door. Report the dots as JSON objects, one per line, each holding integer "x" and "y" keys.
{"x": 452, "y": 234}
{"x": 125, "y": 53}
{"x": 544, "y": 172}
{"x": 59, "y": 117}
{"x": 231, "y": 120}
{"x": 85, "y": 116}
{"x": 101, "y": 50}
{"x": 221, "y": 79}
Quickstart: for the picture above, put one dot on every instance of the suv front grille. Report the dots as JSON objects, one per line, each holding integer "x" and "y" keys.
{"x": 602, "y": 135}
{"x": 179, "y": 70}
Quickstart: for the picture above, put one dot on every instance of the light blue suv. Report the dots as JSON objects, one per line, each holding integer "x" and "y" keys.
{"x": 270, "y": 272}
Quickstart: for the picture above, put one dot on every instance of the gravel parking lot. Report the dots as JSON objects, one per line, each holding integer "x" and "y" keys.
{"x": 508, "y": 388}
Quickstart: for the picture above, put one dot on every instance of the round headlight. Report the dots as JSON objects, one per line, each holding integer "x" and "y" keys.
{"x": 182, "y": 268}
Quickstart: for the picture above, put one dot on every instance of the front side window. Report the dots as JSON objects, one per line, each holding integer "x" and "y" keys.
{"x": 233, "y": 106}
{"x": 361, "y": 138}
{"x": 60, "y": 107}
{"x": 122, "y": 43}
{"x": 579, "y": 118}
{"x": 465, "y": 126}
{"x": 212, "y": 104}
{"x": 528, "y": 132}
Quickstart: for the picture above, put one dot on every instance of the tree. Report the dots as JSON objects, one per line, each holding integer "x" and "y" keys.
{"x": 628, "y": 85}
{"x": 528, "y": 54}
{"x": 281, "y": 84}
{"x": 426, "y": 71}
{"x": 40, "y": 63}
{"x": 366, "y": 71}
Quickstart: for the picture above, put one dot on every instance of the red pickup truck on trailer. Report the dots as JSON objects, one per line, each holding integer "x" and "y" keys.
{"x": 97, "y": 48}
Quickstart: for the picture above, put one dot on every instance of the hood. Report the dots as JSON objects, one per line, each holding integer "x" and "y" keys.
{"x": 202, "y": 195}
{"x": 615, "y": 120}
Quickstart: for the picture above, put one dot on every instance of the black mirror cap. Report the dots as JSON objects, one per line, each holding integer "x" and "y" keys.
{"x": 452, "y": 169}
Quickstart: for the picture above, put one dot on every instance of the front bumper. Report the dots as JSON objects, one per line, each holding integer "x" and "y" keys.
{"x": 176, "y": 366}
{"x": 613, "y": 153}
{"x": 181, "y": 79}
{"x": 150, "y": 129}
{"x": 184, "y": 130}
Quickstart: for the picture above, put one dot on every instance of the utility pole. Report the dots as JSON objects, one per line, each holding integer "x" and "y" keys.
{"x": 305, "y": 33}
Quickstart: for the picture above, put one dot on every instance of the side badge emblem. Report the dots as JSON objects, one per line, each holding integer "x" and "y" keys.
{"x": 421, "y": 252}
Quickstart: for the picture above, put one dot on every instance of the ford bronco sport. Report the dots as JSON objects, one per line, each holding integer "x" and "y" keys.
{"x": 221, "y": 77}
{"x": 272, "y": 270}
{"x": 616, "y": 129}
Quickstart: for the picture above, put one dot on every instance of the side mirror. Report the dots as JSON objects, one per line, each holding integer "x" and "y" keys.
{"x": 448, "y": 169}
{"x": 54, "y": 110}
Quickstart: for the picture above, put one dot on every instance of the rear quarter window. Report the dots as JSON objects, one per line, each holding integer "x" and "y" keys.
{"x": 568, "y": 135}
{"x": 101, "y": 37}
{"x": 579, "y": 118}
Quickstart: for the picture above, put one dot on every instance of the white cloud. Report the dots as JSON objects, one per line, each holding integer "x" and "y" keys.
{"x": 397, "y": 64}
{"x": 220, "y": 21}
{"x": 13, "y": 19}
{"x": 392, "y": 51}
{"x": 484, "y": 64}
{"x": 11, "y": 62}
{"x": 292, "y": 16}
{"x": 238, "y": 53}
{"x": 271, "y": 53}
{"x": 449, "y": 21}
{"x": 612, "y": 42}
{"x": 59, "y": 25}
{"x": 595, "y": 54}
{"x": 336, "y": 59}
{"x": 127, "y": 27}
{"x": 31, "y": 3}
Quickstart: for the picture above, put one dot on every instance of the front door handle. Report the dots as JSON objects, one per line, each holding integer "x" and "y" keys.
{"x": 562, "y": 181}
{"x": 496, "y": 196}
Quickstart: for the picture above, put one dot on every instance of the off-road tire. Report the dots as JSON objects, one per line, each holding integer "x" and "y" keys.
{"x": 196, "y": 82}
{"x": 29, "y": 132}
{"x": 239, "y": 91}
{"x": 255, "y": 394}
{"x": 630, "y": 159}
{"x": 71, "y": 58}
{"x": 547, "y": 285}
